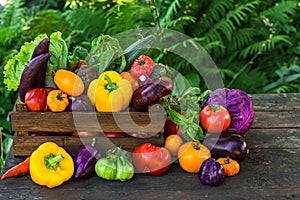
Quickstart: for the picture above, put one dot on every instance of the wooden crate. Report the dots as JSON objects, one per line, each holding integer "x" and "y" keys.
{"x": 24, "y": 121}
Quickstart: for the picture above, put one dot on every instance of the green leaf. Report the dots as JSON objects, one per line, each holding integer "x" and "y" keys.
{"x": 15, "y": 66}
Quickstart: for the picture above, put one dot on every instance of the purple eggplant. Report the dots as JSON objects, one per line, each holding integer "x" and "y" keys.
{"x": 28, "y": 78}
{"x": 85, "y": 160}
{"x": 41, "y": 48}
{"x": 227, "y": 144}
{"x": 211, "y": 172}
{"x": 150, "y": 93}
{"x": 80, "y": 103}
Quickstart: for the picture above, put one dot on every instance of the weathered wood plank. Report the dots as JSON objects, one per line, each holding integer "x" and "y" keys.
{"x": 283, "y": 119}
{"x": 25, "y": 145}
{"x": 274, "y": 138}
{"x": 276, "y": 102}
{"x": 88, "y": 121}
{"x": 265, "y": 174}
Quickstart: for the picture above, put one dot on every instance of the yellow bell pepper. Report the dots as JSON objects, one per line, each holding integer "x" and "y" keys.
{"x": 50, "y": 165}
{"x": 113, "y": 93}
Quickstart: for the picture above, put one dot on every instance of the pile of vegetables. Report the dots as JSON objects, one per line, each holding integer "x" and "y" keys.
{"x": 205, "y": 130}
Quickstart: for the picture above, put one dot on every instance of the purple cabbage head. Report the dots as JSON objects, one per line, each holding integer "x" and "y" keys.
{"x": 239, "y": 105}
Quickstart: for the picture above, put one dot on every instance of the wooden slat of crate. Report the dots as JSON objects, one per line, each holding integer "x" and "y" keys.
{"x": 22, "y": 121}
{"x": 87, "y": 121}
{"x": 25, "y": 145}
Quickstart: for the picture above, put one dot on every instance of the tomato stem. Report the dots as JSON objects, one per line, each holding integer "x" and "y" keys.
{"x": 196, "y": 145}
{"x": 214, "y": 107}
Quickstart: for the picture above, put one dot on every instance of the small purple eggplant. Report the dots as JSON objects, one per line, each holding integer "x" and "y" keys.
{"x": 211, "y": 172}
{"x": 232, "y": 145}
{"x": 85, "y": 160}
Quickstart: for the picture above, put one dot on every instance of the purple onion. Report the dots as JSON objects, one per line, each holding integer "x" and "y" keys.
{"x": 211, "y": 172}
{"x": 80, "y": 103}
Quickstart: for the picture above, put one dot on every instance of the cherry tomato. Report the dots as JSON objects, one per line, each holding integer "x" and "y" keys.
{"x": 170, "y": 128}
{"x": 151, "y": 159}
{"x": 172, "y": 143}
{"x": 36, "y": 99}
{"x": 191, "y": 156}
{"x": 215, "y": 118}
{"x": 68, "y": 82}
{"x": 143, "y": 65}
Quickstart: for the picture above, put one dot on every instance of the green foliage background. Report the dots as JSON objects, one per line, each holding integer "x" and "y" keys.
{"x": 254, "y": 43}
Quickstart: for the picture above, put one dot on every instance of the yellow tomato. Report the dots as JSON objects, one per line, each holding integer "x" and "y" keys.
{"x": 172, "y": 143}
{"x": 68, "y": 82}
{"x": 191, "y": 156}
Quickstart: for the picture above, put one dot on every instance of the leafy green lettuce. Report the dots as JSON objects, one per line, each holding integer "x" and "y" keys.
{"x": 59, "y": 55}
{"x": 15, "y": 66}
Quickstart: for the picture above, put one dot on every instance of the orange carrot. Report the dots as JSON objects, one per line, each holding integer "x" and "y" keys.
{"x": 20, "y": 169}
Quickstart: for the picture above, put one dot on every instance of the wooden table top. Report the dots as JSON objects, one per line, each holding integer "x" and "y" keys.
{"x": 271, "y": 171}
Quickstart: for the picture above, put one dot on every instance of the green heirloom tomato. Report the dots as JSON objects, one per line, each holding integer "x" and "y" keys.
{"x": 115, "y": 166}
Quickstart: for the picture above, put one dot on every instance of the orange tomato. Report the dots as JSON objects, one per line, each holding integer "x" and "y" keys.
{"x": 69, "y": 82}
{"x": 191, "y": 156}
{"x": 172, "y": 143}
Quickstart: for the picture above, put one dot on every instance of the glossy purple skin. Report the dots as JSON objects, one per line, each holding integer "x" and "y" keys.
{"x": 211, "y": 172}
{"x": 150, "y": 93}
{"x": 85, "y": 160}
{"x": 31, "y": 72}
{"x": 238, "y": 104}
{"x": 232, "y": 145}
{"x": 80, "y": 104}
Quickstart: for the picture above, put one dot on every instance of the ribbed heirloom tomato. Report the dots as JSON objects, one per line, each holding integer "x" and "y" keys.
{"x": 191, "y": 156}
{"x": 151, "y": 159}
{"x": 68, "y": 82}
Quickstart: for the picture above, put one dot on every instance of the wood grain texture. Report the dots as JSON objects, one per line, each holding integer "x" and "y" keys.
{"x": 25, "y": 145}
{"x": 88, "y": 121}
{"x": 265, "y": 174}
{"x": 271, "y": 171}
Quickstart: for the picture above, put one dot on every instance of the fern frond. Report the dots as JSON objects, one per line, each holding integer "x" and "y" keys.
{"x": 215, "y": 11}
{"x": 78, "y": 19}
{"x": 171, "y": 12}
{"x": 182, "y": 20}
{"x": 242, "y": 37}
{"x": 265, "y": 45}
{"x": 13, "y": 14}
{"x": 280, "y": 11}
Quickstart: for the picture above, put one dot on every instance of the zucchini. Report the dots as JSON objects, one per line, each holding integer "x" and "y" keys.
{"x": 140, "y": 47}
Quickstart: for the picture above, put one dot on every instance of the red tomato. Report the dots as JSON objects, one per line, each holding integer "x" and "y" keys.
{"x": 170, "y": 128}
{"x": 151, "y": 159}
{"x": 36, "y": 99}
{"x": 143, "y": 65}
{"x": 215, "y": 118}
